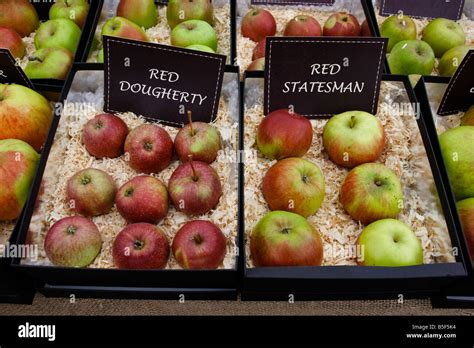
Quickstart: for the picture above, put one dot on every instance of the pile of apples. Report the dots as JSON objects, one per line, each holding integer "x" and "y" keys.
{"x": 441, "y": 38}
{"x": 194, "y": 188}
{"x": 259, "y": 23}
{"x": 55, "y": 40}
{"x": 191, "y": 23}
{"x": 294, "y": 189}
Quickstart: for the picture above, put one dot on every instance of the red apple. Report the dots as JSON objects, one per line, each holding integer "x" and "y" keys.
{"x": 259, "y": 50}
{"x": 303, "y": 25}
{"x": 257, "y": 65}
{"x": 150, "y": 148}
{"x": 104, "y": 136}
{"x": 284, "y": 134}
{"x": 341, "y": 24}
{"x": 141, "y": 246}
{"x": 466, "y": 213}
{"x": 19, "y": 15}
{"x": 91, "y": 192}
{"x": 199, "y": 244}
{"x": 10, "y": 40}
{"x": 258, "y": 24}
{"x": 73, "y": 242}
{"x": 194, "y": 188}
{"x": 143, "y": 199}
{"x": 365, "y": 29}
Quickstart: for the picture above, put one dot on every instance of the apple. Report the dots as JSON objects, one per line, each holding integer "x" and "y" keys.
{"x": 179, "y": 11}
{"x": 281, "y": 238}
{"x": 303, "y": 25}
{"x": 19, "y": 15}
{"x": 49, "y": 63}
{"x": 10, "y": 40}
{"x": 201, "y": 48}
{"x": 75, "y": 10}
{"x": 389, "y": 243}
{"x": 284, "y": 134}
{"x": 365, "y": 29}
{"x": 105, "y": 129}
{"x": 199, "y": 244}
{"x": 194, "y": 32}
{"x": 100, "y": 56}
{"x": 259, "y": 50}
{"x": 18, "y": 162}
{"x": 123, "y": 28}
{"x": 257, "y": 65}
{"x": 149, "y": 148}
{"x": 73, "y": 241}
{"x": 258, "y": 24}
{"x": 24, "y": 115}
{"x": 58, "y": 33}
{"x": 398, "y": 28}
{"x": 294, "y": 184}
{"x": 410, "y": 57}
{"x": 450, "y": 61}
{"x": 468, "y": 118}
{"x": 143, "y": 199}
{"x": 466, "y": 213}
{"x": 200, "y": 140}
{"x": 371, "y": 192}
{"x": 353, "y": 138}
{"x": 141, "y": 246}
{"x": 341, "y": 24}
{"x": 194, "y": 188}
{"x": 443, "y": 34}
{"x": 457, "y": 147}
{"x": 91, "y": 192}
{"x": 141, "y": 12}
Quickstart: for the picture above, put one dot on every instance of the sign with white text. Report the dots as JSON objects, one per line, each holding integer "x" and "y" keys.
{"x": 450, "y": 9}
{"x": 10, "y": 70}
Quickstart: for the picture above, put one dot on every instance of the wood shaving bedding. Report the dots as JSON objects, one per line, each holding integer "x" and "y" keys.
{"x": 160, "y": 33}
{"x": 68, "y": 156}
{"x": 404, "y": 154}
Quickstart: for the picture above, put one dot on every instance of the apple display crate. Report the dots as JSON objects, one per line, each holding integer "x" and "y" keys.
{"x": 338, "y": 279}
{"x": 224, "y": 13}
{"x": 467, "y": 21}
{"x": 85, "y": 86}
{"x": 42, "y": 7}
{"x": 429, "y": 92}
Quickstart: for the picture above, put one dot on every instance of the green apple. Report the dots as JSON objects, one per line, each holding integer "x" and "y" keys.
{"x": 75, "y": 10}
{"x": 443, "y": 34}
{"x": 194, "y": 32}
{"x": 398, "y": 28}
{"x": 468, "y": 118}
{"x": 49, "y": 63}
{"x": 457, "y": 146}
{"x": 411, "y": 57}
{"x": 452, "y": 59}
{"x": 201, "y": 48}
{"x": 141, "y": 12}
{"x": 18, "y": 162}
{"x": 179, "y": 11}
{"x": 281, "y": 238}
{"x": 100, "y": 56}
{"x": 389, "y": 243}
{"x": 58, "y": 33}
{"x": 122, "y": 27}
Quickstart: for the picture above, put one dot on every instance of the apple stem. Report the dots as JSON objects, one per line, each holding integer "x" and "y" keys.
{"x": 190, "y": 120}
{"x": 195, "y": 177}
{"x": 35, "y": 59}
{"x": 353, "y": 119}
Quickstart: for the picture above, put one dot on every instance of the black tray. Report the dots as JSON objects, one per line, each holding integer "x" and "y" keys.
{"x": 88, "y": 282}
{"x": 460, "y": 294}
{"x": 354, "y": 282}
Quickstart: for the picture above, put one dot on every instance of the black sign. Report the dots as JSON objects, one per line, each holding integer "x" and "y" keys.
{"x": 320, "y": 77}
{"x": 10, "y": 70}
{"x": 451, "y": 9}
{"x": 293, "y": 2}
{"x": 459, "y": 95}
{"x": 161, "y": 82}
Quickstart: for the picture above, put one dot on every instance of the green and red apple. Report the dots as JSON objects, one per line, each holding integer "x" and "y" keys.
{"x": 365, "y": 29}
{"x": 257, "y": 65}
{"x": 371, "y": 192}
{"x": 389, "y": 243}
{"x": 282, "y": 238}
{"x": 450, "y": 61}
{"x": 443, "y": 34}
{"x": 18, "y": 162}
{"x": 124, "y": 28}
{"x": 398, "y": 28}
{"x": 466, "y": 213}
{"x": 58, "y": 33}
{"x": 295, "y": 185}
{"x": 141, "y": 12}
{"x": 468, "y": 117}
{"x": 257, "y": 24}
{"x": 411, "y": 57}
{"x": 75, "y": 10}
{"x": 259, "y": 50}
{"x": 19, "y": 15}
{"x": 24, "y": 114}
{"x": 341, "y": 24}
{"x": 353, "y": 138}
{"x": 49, "y": 63}
{"x": 10, "y": 40}
{"x": 179, "y": 11}
{"x": 194, "y": 32}
{"x": 303, "y": 25}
